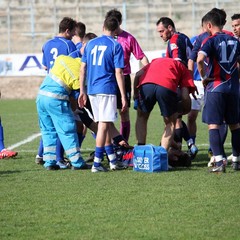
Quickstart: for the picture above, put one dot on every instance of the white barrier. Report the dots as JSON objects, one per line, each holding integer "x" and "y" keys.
{"x": 30, "y": 64}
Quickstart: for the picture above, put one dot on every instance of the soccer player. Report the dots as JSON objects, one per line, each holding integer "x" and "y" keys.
{"x": 158, "y": 82}
{"x": 59, "y": 45}
{"x": 198, "y": 103}
{"x": 221, "y": 88}
{"x": 102, "y": 63}
{"x": 236, "y": 25}
{"x": 78, "y": 39}
{"x": 178, "y": 47}
{"x": 236, "y": 30}
{"x": 130, "y": 46}
{"x": 56, "y": 118}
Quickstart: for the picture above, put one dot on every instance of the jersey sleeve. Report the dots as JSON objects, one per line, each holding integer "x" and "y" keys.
{"x": 119, "y": 56}
{"x": 136, "y": 49}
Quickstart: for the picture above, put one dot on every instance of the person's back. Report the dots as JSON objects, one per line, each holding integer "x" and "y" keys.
{"x": 55, "y": 47}
{"x": 222, "y": 49}
{"x": 60, "y": 44}
{"x": 173, "y": 74}
{"x": 101, "y": 72}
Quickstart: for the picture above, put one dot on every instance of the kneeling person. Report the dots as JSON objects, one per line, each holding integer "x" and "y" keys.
{"x": 158, "y": 82}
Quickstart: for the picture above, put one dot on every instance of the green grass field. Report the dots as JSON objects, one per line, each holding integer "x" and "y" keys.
{"x": 181, "y": 204}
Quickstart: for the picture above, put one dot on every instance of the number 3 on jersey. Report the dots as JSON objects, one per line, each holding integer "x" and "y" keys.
{"x": 94, "y": 52}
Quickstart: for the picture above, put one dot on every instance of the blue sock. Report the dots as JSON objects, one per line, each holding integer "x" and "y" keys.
{"x": 40, "y": 148}
{"x": 223, "y": 132}
{"x": 193, "y": 138}
{"x": 178, "y": 135}
{"x": 94, "y": 135}
{"x": 235, "y": 142}
{"x": 99, "y": 151}
{"x": 215, "y": 142}
{"x": 1, "y": 137}
{"x": 80, "y": 139}
{"x": 59, "y": 150}
{"x": 110, "y": 153}
{"x": 185, "y": 132}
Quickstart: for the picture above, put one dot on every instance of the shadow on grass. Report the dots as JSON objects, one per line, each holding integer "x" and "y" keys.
{"x": 9, "y": 172}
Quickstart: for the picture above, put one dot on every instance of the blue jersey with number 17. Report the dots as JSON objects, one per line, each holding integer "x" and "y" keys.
{"x": 55, "y": 47}
{"x": 223, "y": 51}
{"x": 102, "y": 56}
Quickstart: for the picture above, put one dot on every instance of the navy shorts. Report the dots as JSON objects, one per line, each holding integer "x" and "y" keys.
{"x": 219, "y": 107}
{"x": 150, "y": 93}
{"x": 128, "y": 88}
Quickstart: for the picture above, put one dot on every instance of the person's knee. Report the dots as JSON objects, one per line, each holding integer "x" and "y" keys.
{"x": 192, "y": 116}
{"x": 234, "y": 126}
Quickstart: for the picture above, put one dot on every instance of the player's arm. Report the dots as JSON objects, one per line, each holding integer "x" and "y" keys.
{"x": 136, "y": 83}
{"x": 121, "y": 86}
{"x": 191, "y": 66}
{"x": 200, "y": 65}
{"x": 144, "y": 61}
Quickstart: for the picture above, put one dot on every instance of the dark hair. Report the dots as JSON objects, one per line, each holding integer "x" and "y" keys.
{"x": 89, "y": 36}
{"x": 80, "y": 29}
{"x": 212, "y": 17}
{"x": 114, "y": 13}
{"x": 67, "y": 23}
{"x": 111, "y": 24}
{"x": 222, "y": 14}
{"x": 235, "y": 16}
{"x": 166, "y": 22}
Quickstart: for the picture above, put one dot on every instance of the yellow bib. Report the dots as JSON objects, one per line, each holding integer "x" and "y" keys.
{"x": 67, "y": 69}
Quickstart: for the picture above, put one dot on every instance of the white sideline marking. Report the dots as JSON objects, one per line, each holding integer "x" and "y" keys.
{"x": 27, "y": 140}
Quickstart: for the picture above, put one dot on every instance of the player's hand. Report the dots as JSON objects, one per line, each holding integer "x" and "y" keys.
{"x": 135, "y": 106}
{"x": 82, "y": 99}
{"x": 194, "y": 93}
{"x": 124, "y": 105}
{"x": 206, "y": 81}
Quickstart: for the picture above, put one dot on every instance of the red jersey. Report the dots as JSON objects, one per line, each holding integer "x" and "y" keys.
{"x": 168, "y": 73}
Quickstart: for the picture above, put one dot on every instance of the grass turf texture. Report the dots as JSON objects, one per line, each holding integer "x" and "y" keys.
{"x": 180, "y": 204}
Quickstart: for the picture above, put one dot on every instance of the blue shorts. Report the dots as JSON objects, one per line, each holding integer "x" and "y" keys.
{"x": 219, "y": 107}
{"x": 150, "y": 93}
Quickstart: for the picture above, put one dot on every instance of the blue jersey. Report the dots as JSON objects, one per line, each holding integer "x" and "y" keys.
{"x": 102, "y": 56}
{"x": 79, "y": 45}
{"x": 196, "y": 75}
{"x": 223, "y": 52}
{"x": 179, "y": 47}
{"x": 76, "y": 53}
{"x": 55, "y": 47}
{"x": 197, "y": 45}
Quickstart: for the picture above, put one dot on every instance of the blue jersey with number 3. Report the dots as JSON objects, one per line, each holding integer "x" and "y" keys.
{"x": 102, "y": 56}
{"x": 55, "y": 47}
{"x": 223, "y": 52}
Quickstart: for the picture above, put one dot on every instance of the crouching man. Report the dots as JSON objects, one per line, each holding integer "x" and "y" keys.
{"x": 158, "y": 82}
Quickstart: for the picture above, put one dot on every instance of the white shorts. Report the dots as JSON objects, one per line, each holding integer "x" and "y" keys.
{"x": 197, "y": 104}
{"x": 104, "y": 107}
